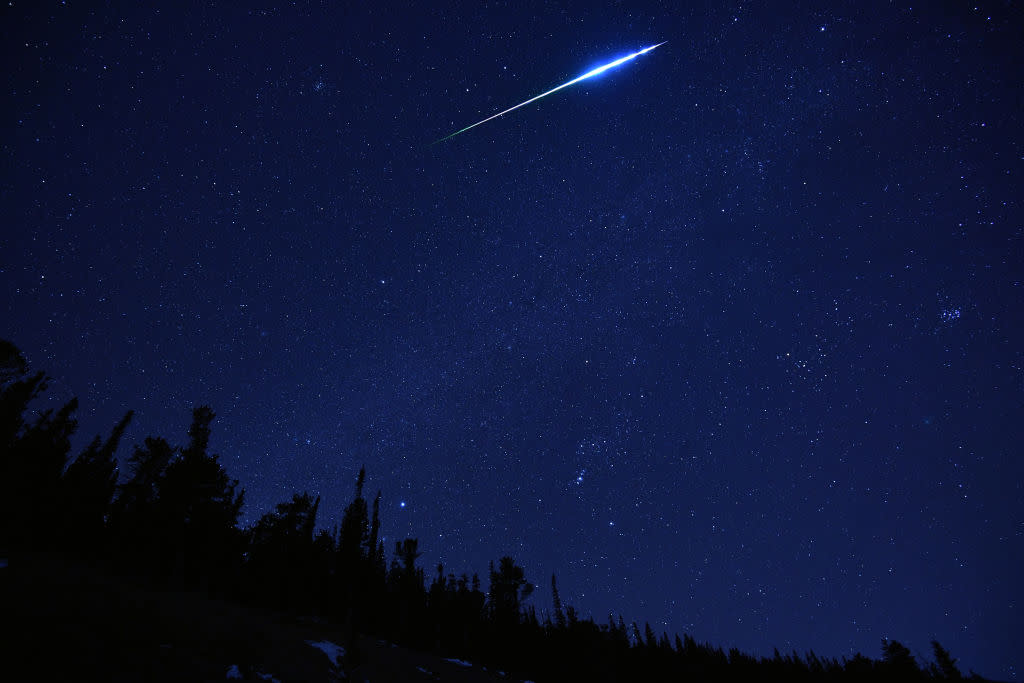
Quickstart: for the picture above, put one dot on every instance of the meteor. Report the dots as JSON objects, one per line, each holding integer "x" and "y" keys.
{"x": 594, "y": 72}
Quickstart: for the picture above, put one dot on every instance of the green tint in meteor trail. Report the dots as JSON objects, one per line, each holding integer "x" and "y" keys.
{"x": 594, "y": 72}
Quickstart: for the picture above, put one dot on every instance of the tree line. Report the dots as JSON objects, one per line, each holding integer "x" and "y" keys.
{"x": 172, "y": 517}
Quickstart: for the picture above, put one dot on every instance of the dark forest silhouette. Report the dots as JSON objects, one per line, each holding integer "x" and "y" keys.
{"x": 172, "y": 519}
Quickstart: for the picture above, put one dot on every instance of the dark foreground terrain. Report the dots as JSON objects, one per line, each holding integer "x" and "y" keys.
{"x": 72, "y": 621}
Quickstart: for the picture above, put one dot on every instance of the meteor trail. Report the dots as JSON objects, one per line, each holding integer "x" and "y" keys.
{"x": 594, "y": 72}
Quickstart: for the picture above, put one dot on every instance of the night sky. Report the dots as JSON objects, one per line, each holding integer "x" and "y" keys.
{"x": 728, "y": 337}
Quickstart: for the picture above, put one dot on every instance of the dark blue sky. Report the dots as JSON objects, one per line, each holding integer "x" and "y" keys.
{"x": 729, "y": 337}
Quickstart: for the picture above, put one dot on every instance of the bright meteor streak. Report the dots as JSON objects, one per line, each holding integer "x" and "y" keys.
{"x": 594, "y": 72}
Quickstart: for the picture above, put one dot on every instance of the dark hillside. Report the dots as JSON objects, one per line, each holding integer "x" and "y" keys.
{"x": 79, "y": 622}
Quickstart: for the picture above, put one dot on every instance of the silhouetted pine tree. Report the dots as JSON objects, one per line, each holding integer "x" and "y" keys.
{"x": 456, "y": 610}
{"x": 508, "y": 632}
{"x": 31, "y": 465}
{"x": 945, "y": 665}
{"x": 136, "y": 527}
{"x": 858, "y": 668}
{"x": 17, "y": 391}
{"x": 281, "y": 554}
{"x": 439, "y": 597}
{"x": 375, "y": 574}
{"x": 325, "y": 555}
{"x": 557, "y": 604}
{"x": 407, "y": 590}
{"x": 352, "y": 555}
{"x": 897, "y": 663}
{"x": 375, "y": 534}
{"x": 509, "y": 588}
{"x": 650, "y": 640}
{"x": 12, "y": 362}
{"x": 200, "y": 508}
{"x": 87, "y": 490}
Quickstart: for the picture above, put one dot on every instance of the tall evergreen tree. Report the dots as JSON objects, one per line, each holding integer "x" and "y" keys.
{"x": 407, "y": 590}
{"x": 509, "y": 588}
{"x": 650, "y": 640}
{"x": 359, "y": 566}
{"x": 87, "y": 489}
{"x": 945, "y": 665}
{"x": 557, "y": 604}
{"x": 137, "y": 497}
{"x": 375, "y": 546}
{"x": 354, "y": 534}
{"x": 32, "y": 463}
{"x": 282, "y": 557}
{"x": 18, "y": 389}
{"x": 897, "y": 662}
{"x": 12, "y": 363}
{"x": 201, "y": 506}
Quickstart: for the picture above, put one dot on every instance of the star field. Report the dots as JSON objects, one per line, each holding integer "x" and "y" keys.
{"x": 729, "y": 338}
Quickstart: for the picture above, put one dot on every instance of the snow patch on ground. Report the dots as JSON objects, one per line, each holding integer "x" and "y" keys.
{"x": 460, "y": 662}
{"x": 235, "y": 674}
{"x": 334, "y": 652}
